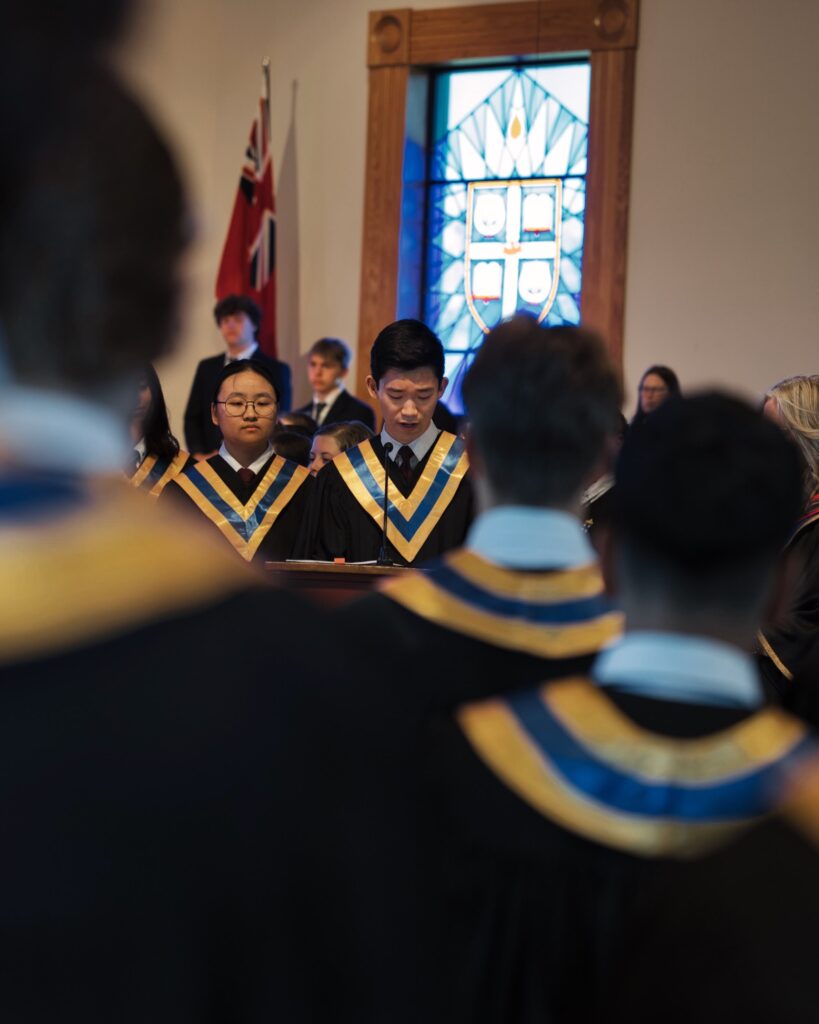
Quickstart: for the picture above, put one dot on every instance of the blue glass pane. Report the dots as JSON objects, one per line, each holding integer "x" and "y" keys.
{"x": 505, "y": 203}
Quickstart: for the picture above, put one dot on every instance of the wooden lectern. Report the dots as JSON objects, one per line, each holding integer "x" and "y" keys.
{"x": 329, "y": 583}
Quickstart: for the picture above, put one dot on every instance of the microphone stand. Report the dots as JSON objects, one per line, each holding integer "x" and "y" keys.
{"x": 382, "y": 554}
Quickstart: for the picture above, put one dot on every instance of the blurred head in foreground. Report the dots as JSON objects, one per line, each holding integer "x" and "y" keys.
{"x": 542, "y": 403}
{"x": 89, "y": 251}
{"x": 707, "y": 493}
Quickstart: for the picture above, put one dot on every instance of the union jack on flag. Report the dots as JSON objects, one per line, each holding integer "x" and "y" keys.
{"x": 248, "y": 264}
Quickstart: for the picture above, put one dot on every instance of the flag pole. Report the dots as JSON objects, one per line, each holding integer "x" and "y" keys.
{"x": 266, "y": 73}
{"x": 268, "y": 125}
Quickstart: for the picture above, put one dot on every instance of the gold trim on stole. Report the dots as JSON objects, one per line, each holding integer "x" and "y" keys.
{"x": 503, "y": 744}
{"x": 406, "y": 506}
{"x": 247, "y": 549}
{"x": 771, "y": 653}
{"x": 419, "y": 593}
{"x": 101, "y": 570}
{"x": 175, "y": 466}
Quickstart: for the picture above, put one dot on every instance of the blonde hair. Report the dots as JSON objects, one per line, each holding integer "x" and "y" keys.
{"x": 797, "y": 399}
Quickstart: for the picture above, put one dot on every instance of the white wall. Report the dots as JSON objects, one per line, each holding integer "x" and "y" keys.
{"x": 723, "y": 240}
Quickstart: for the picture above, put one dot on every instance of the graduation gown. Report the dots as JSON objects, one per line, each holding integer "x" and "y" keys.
{"x": 784, "y": 647}
{"x": 427, "y": 517}
{"x": 461, "y": 629}
{"x": 149, "y": 862}
{"x": 551, "y": 817}
{"x": 736, "y": 941}
{"x": 155, "y": 473}
{"x": 260, "y": 519}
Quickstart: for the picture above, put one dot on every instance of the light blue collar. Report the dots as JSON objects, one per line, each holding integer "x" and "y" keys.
{"x": 53, "y": 430}
{"x": 525, "y": 537}
{"x": 673, "y": 666}
{"x": 420, "y": 446}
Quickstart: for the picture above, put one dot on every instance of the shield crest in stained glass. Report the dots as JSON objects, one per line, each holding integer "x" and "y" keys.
{"x": 506, "y": 171}
{"x": 512, "y": 248}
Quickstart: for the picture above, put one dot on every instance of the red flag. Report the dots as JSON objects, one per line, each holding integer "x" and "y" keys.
{"x": 248, "y": 261}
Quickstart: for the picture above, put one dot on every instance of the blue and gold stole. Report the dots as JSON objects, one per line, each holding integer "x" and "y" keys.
{"x": 556, "y": 614}
{"x": 410, "y": 520}
{"x": 154, "y": 474}
{"x": 82, "y": 561}
{"x": 244, "y": 526}
{"x": 569, "y": 753}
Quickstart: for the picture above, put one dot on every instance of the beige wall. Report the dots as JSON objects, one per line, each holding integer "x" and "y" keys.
{"x": 723, "y": 240}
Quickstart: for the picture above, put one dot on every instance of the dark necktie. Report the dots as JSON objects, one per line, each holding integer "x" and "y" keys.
{"x": 403, "y": 463}
{"x": 247, "y": 476}
{"x": 318, "y": 409}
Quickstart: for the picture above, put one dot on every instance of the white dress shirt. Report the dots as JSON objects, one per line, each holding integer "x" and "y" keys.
{"x": 254, "y": 466}
{"x": 420, "y": 446}
{"x": 246, "y": 353}
{"x": 328, "y": 400}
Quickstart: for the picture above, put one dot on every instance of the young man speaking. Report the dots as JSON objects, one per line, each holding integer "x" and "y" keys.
{"x": 429, "y": 495}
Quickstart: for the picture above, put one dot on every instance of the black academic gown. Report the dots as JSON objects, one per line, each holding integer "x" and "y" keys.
{"x": 337, "y": 526}
{"x": 785, "y": 645}
{"x": 280, "y": 525}
{"x": 737, "y": 940}
{"x": 150, "y": 821}
{"x": 460, "y": 630}
{"x": 155, "y": 472}
{"x": 525, "y": 906}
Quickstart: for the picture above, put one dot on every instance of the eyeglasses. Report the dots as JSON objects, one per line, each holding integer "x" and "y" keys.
{"x": 263, "y": 407}
{"x": 644, "y": 389}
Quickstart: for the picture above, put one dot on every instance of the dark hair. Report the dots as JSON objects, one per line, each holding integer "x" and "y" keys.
{"x": 244, "y": 366}
{"x": 348, "y": 433}
{"x": 406, "y": 345}
{"x": 668, "y": 377}
{"x": 292, "y": 445}
{"x": 300, "y": 422}
{"x": 156, "y": 428}
{"x": 706, "y": 494}
{"x": 48, "y": 45}
{"x": 333, "y": 350}
{"x": 230, "y": 305}
{"x": 89, "y": 250}
{"x": 541, "y": 402}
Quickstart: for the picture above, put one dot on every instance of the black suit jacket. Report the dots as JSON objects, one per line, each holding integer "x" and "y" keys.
{"x": 201, "y": 435}
{"x": 346, "y": 407}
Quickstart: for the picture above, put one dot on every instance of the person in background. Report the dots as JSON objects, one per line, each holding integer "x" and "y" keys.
{"x": 157, "y": 458}
{"x": 255, "y": 498}
{"x": 598, "y": 499}
{"x": 328, "y": 363}
{"x": 794, "y": 405}
{"x": 522, "y": 600}
{"x": 431, "y": 501}
{"x": 292, "y": 445}
{"x": 298, "y": 421}
{"x": 238, "y": 319}
{"x": 331, "y": 440}
{"x": 657, "y": 385}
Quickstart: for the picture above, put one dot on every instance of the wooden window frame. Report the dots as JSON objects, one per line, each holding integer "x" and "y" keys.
{"x": 404, "y": 40}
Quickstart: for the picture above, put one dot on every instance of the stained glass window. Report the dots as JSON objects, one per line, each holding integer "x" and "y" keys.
{"x": 505, "y": 202}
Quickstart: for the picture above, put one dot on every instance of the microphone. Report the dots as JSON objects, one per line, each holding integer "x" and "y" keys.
{"x": 382, "y": 554}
